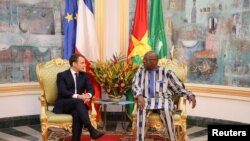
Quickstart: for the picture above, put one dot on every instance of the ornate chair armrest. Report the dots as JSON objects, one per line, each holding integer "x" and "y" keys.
{"x": 182, "y": 107}
{"x": 44, "y": 108}
{"x": 134, "y": 117}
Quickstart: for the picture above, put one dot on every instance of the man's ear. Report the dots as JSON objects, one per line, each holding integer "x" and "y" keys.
{"x": 74, "y": 64}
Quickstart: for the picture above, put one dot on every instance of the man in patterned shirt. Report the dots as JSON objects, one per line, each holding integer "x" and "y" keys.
{"x": 154, "y": 87}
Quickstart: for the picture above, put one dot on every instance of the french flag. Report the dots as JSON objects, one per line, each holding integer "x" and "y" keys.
{"x": 86, "y": 40}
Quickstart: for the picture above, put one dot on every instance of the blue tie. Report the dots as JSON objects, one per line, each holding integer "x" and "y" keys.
{"x": 151, "y": 83}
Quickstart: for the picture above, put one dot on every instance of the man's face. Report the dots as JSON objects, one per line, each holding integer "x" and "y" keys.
{"x": 150, "y": 61}
{"x": 80, "y": 64}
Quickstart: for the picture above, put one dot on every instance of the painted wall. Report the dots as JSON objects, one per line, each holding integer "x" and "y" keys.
{"x": 212, "y": 38}
{"x": 30, "y": 33}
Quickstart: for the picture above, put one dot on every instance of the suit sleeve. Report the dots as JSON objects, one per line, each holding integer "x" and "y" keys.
{"x": 62, "y": 86}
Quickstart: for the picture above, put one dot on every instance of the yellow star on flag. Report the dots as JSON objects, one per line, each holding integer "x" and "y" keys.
{"x": 140, "y": 46}
{"x": 69, "y": 17}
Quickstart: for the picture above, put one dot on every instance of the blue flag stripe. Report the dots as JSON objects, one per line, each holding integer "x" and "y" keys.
{"x": 88, "y": 3}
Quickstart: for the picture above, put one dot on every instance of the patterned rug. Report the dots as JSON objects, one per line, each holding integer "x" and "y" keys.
{"x": 109, "y": 136}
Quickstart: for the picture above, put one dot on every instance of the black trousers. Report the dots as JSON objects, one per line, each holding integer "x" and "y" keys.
{"x": 79, "y": 111}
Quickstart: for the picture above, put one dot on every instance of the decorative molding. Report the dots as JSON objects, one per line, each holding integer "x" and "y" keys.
{"x": 201, "y": 89}
{"x": 214, "y": 90}
{"x": 19, "y": 88}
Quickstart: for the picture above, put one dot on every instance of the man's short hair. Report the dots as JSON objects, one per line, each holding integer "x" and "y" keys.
{"x": 74, "y": 58}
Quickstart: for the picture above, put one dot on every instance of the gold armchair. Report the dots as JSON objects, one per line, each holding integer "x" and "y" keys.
{"x": 47, "y": 73}
{"x": 180, "y": 116}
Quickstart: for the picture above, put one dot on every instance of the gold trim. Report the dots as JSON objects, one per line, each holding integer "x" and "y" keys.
{"x": 18, "y": 88}
{"x": 219, "y": 90}
{"x": 99, "y": 14}
{"x": 124, "y": 4}
{"x": 196, "y": 88}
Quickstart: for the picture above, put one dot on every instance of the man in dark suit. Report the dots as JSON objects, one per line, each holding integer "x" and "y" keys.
{"x": 74, "y": 91}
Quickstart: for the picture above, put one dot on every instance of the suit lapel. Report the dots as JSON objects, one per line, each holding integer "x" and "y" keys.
{"x": 70, "y": 79}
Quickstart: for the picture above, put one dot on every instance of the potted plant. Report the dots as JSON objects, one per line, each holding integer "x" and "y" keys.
{"x": 114, "y": 75}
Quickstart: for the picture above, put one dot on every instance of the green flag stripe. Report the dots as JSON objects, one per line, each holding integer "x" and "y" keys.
{"x": 157, "y": 38}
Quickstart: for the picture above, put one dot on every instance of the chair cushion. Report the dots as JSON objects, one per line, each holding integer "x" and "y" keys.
{"x": 48, "y": 77}
{"x": 58, "y": 118}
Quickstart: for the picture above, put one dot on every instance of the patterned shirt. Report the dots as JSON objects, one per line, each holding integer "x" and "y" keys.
{"x": 158, "y": 87}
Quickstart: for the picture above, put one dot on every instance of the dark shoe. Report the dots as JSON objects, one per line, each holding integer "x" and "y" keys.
{"x": 96, "y": 134}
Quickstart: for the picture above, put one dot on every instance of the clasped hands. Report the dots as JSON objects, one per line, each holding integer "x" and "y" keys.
{"x": 85, "y": 97}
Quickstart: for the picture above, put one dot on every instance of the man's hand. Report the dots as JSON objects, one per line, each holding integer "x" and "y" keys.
{"x": 85, "y": 97}
{"x": 140, "y": 102}
{"x": 193, "y": 100}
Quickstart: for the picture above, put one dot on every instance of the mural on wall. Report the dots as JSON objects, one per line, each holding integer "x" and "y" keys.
{"x": 213, "y": 38}
{"x": 30, "y": 33}
{"x": 18, "y": 63}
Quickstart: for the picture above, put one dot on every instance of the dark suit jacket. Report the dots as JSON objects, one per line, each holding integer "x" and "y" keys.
{"x": 66, "y": 87}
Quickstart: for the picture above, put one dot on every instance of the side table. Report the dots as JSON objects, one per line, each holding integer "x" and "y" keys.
{"x": 105, "y": 102}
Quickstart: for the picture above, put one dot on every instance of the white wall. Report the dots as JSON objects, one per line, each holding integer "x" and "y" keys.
{"x": 221, "y": 107}
{"x": 19, "y": 105}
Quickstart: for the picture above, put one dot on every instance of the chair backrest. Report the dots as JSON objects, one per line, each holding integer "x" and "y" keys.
{"x": 47, "y": 74}
{"x": 178, "y": 68}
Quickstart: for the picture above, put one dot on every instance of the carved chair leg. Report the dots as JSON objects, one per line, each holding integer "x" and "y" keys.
{"x": 177, "y": 132}
{"x": 44, "y": 133}
{"x": 184, "y": 132}
{"x": 134, "y": 125}
{"x": 180, "y": 133}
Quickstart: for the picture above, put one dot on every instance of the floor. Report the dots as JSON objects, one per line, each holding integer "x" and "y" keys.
{"x": 32, "y": 133}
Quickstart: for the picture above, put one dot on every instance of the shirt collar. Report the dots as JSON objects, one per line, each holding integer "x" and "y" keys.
{"x": 72, "y": 72}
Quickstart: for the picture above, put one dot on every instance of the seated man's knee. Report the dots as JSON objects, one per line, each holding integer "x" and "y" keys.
{"x": 78, "y": 102}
